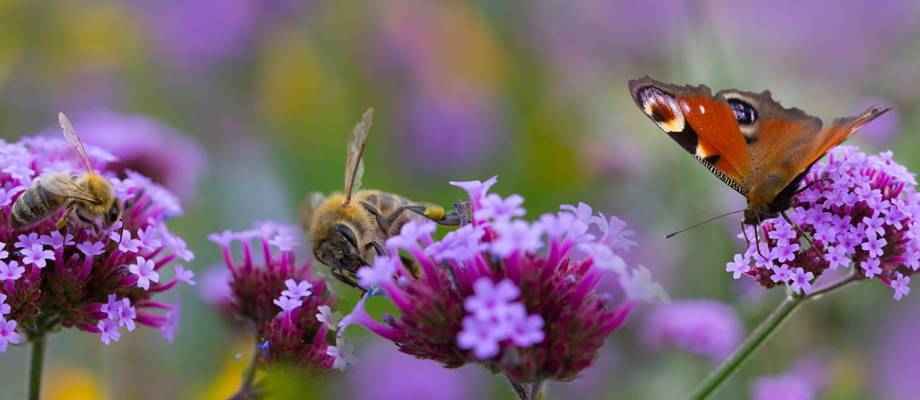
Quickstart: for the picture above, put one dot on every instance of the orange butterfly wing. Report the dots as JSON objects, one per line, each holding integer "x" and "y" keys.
{"x": 704, "y": 126}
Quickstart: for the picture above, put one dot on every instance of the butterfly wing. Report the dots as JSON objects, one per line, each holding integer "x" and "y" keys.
{"x": 703, "y": 125}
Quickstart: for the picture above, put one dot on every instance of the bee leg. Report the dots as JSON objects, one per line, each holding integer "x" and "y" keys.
{"x": 346, "y": 279}
{"x": 62, "y": 222}
{"x": 377, "y": 248}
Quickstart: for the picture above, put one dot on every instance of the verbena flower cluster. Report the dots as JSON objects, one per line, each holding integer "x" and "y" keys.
{"x": 704, "y": 327}
{"x": 859, "y": 211}
{"x": 519, "y": 297}
{"x": 98, "y": 280}
{"x": 290, "y": 308}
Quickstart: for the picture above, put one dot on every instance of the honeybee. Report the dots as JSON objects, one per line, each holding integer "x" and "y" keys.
{"x": 88, "y": 198}
{"x": 349, "y": 229}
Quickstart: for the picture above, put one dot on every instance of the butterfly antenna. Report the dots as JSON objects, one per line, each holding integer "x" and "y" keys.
{"x": 698, "y": 224}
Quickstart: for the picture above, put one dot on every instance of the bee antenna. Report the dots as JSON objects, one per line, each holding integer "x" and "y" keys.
{"x": 698, "y": 224}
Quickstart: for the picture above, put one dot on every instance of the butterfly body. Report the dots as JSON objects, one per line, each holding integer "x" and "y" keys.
{"x": 748, "y": 140}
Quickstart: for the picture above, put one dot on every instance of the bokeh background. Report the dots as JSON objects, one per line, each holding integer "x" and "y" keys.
{"x": 242, "y": 106}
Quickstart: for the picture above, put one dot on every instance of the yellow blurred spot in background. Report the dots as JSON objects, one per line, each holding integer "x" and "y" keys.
{"x": 228, "y": 381}
{"x": 95, "y": 36}
{"x": 72, "y": 384}
{"x": 294, "y": 82}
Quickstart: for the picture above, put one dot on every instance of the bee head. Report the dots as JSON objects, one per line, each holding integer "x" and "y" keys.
{"x": 113, "y": 214}
{"x": 339, "y": 249}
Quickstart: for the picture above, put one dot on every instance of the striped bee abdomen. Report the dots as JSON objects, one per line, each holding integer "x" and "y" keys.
{"x": 33, "y": 206}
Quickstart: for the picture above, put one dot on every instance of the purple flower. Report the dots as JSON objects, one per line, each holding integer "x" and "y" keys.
{"x": 516, "y": 236}
{"x": 145, "y": 270}
{"x": 505, "y": 295}
{"x": 58, "y": 241}
{"x": 91, "y": 249}
{"x": 382, "y": 369}
{"x": 489, "y": 299}
{"x": 495, "y": 208}
{"x": 859, "y": 211}
{"x": 215, "y": 286}
{"x": 51, "y": 279}
{"x": 8, "y": 334}
{"x": 380, "y": 272}
{"x": 802, "y": 382}
{"x": 801, "y": 281}
{"x": 10, "y": 270}
{"x": 412, "y": 233}
{"x": 479, "y": 336}
{"x": 296, "y": 290}
{"x": 901, "y": 286}
{"x": 259, "y": 286}
{"x": 739, "y": 266}
{"x": 287, "y": 304}
{"x": 108, "y": 329}
{"x": 704, "y": 327}
{"x": 198, "y": 34}
{"x": 4, "y": 308}
{"x": 125, "y": 243}
{"x": 184, "y": 275}
{"x": 37, "y": 255}
{"x": 459, "y": 245}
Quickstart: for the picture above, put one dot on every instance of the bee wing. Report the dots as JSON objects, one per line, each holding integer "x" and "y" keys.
{"x": 74, "y": 140}
{"x": 308, "y": 207}
{"x": 354, "y": 162}
{"x": 64, "y": 186}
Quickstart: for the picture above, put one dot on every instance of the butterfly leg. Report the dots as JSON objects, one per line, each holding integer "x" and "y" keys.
{"x": 757, "y": 237}
{"x": 747, "y": 240}
{"x": 811, "y": 243}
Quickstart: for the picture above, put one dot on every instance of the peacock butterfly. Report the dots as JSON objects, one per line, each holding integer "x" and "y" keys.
{"x": 748, "y": 140}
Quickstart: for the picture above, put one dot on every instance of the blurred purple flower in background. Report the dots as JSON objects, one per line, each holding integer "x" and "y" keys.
{"x": 882, "y": 131}
{"x": 383, "y": 374}
{"x": 897, "y": 358}
{"x": 519, "y": 297}
{"x": 802, "y": 382}
{"x": 444, "y": 132}
{"x": 584, "y": 40}
{"x": 704, "y": 327}
{"x": 848, "y": 40}
{"x": 860, "y": 211}
{"x": 144, "y": 145}
{"x": 85, "y": 277}
{"x": 199, "y": 33}
{"x": 450, "y": 113}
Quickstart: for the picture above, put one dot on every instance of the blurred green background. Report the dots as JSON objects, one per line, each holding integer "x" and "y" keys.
{"x": 534, "y": 92}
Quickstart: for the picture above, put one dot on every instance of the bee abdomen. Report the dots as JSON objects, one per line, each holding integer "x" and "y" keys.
{"x": 34, "y": 205}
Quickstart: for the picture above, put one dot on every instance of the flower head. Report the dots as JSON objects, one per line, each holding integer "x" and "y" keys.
{"x": 505, "y": 293}
{"x": 854, "y": 211}
{"x": 278, "y": 295}
{"x": 75, "y": 275}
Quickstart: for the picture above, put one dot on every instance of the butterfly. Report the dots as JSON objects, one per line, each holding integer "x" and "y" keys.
{"x": 748, "y": 140}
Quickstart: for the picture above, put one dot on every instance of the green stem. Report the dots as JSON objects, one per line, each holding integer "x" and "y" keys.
{"x": 35, "y": 370}
{"x": 246, "y": 388}
{"x": 536, "y": 391}
{"x": 760, "y": 335}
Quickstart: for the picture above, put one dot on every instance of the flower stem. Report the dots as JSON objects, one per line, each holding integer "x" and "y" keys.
{"x": 759, "y": 336}
{"x": 246, "y": 388}
{"x": 534, "y": 393}
{"x": 35, "y": 370}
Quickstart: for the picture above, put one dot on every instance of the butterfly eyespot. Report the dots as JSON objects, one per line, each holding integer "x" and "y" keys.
{"x": 662, "y": 108}
{"x": 745, "y": 113}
